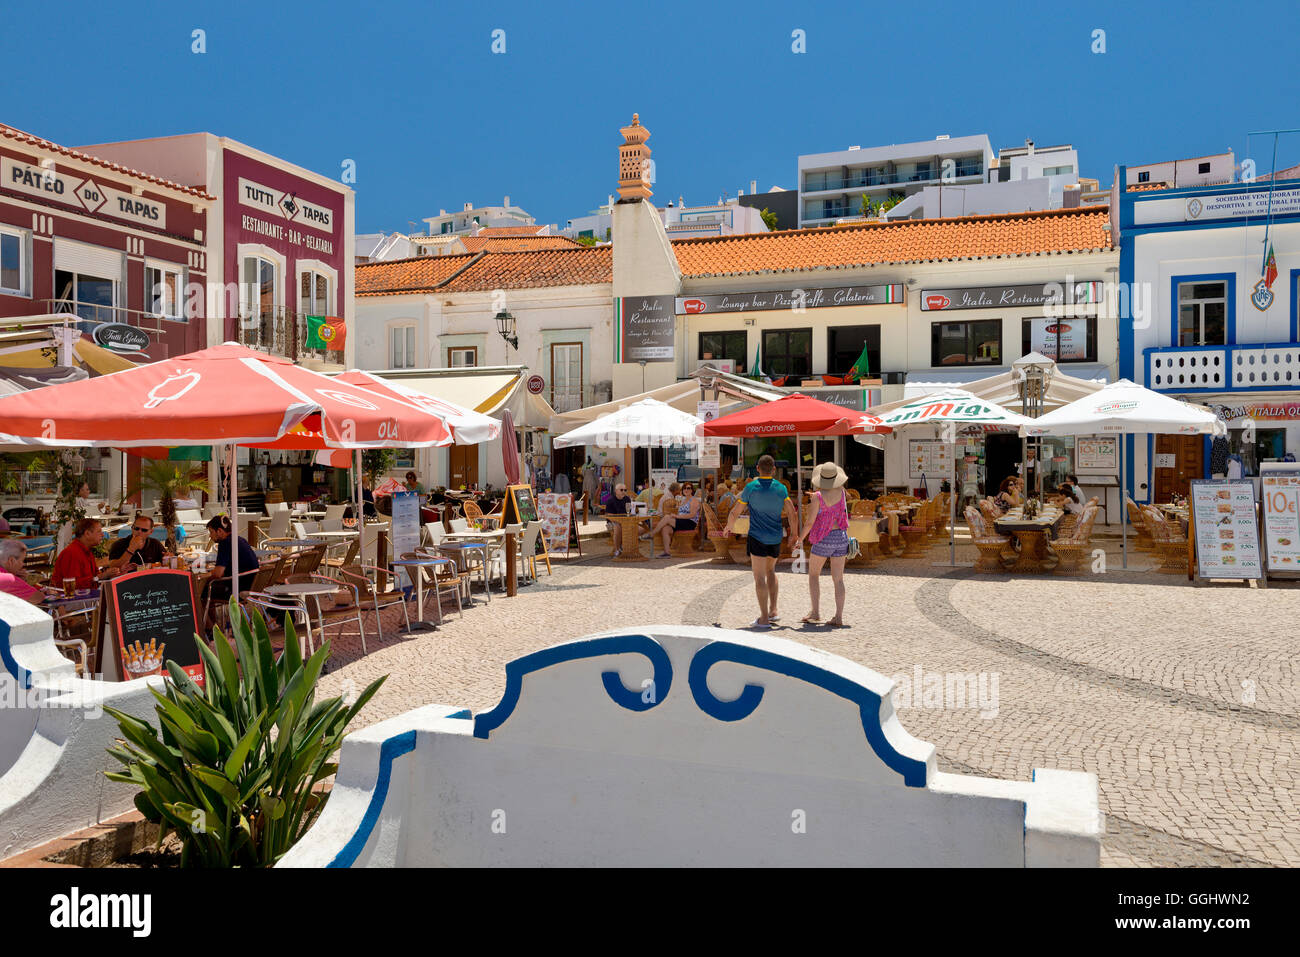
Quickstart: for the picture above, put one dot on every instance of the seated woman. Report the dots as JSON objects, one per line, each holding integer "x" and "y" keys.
{"x": 726, "y": 501}
{"x": 684, "y": 516}
{"x": 1008, "y": 496}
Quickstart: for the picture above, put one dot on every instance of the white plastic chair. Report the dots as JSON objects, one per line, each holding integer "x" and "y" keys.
{"x": 528, "y": 550}
{"x": 335, "y": 512}
{"x": 279, "y": 527}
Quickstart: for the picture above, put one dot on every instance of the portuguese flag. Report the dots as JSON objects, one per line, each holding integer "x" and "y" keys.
{"x": 326, "y": 332}
{"x": 862, "y": 368}
{"x": 1270, "y": 268}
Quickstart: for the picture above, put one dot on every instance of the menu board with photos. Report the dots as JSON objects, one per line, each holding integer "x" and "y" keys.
{"x": 153, "y": 621}
{"x": 1227, "y": 536}
{"x": 1280, "y": 488}
{"x": 934, "y": 459}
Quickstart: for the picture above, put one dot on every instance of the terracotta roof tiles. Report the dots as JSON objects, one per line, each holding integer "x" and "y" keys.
{"x": 518, "y": 243}
{"x": 569, "y": 266}
{"x": 397, "y": 276}
{"x": 36, "y": 142}
{"x": 902, "y": 241}
{"x": 497, "y": 231}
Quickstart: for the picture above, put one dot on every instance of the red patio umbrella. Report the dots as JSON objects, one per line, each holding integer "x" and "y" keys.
{"x": 509, "y": 448}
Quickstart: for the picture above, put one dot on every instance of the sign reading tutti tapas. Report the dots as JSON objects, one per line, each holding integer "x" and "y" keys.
{"x": 794, "y": 299}
{"x": 646, "y": 329}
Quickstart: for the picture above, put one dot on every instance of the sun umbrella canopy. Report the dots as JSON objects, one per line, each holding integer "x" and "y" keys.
{"x": 956, "y": 406}
{"x": 789, "y": 415}
{"x": 1125, "y": 407}
{"x": 228, "y": 394}
{"x": 389, "y": 487}
{"x": 466, "y": 426}
{"x": 648, "y": 423}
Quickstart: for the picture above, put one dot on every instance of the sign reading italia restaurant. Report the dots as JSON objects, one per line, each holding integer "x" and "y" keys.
{"x": 81, "y": 193}
{"x": 646, "y": 329}
{"x": 994, "y": 297}
{"x": 792, "y": 299}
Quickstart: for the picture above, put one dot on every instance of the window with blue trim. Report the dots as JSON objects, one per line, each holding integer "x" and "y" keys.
{"x": 1202, "y": 313}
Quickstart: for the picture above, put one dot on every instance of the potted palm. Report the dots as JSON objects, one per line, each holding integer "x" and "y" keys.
{"x": 165, "y": 478}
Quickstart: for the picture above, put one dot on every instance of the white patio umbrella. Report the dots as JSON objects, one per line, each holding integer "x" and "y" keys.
{"x": 648, "y": 423}
{"x": 1126, "y": 408}
{"x": 943, "y": 414}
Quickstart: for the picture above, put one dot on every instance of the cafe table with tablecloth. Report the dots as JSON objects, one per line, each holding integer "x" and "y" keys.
{"x": 1032, "y": 534}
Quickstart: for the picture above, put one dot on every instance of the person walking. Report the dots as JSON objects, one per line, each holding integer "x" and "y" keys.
{"x": 828, "y": 530}
{"x": 766, "y": 500}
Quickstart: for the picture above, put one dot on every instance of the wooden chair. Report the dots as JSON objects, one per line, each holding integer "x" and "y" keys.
{"x": 718, "y": 538}
{"x": 1138, "y": 520}
{"x": 1071, "y": 549}
{"x": 347, "y": 605}
{"x": 990, "y": 545}
{"x": 349, "y": 557}
{"x": 369, "y": 598}
{"x": 473, "y": 515}
{"x": 914, "y": 533}
{"x": 309, "y": 561}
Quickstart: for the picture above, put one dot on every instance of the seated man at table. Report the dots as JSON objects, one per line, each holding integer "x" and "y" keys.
{"x": 13, "y": 576}
{"x": 77, "y": 560}
{"x": 137, "y": 549}
{"x": 617, "y": 505}
{"x": 219, "y": 530}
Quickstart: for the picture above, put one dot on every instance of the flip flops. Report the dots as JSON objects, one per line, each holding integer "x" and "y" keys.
{"x": 763, "y": 626}
{"x": 810, "y": 620}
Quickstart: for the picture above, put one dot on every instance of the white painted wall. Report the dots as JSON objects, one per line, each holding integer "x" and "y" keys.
{"x": 53, "y": 748}
{"x": 573, "y": 778}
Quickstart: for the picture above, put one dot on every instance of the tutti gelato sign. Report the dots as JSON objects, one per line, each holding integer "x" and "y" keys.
{"x": 119, "y": 337}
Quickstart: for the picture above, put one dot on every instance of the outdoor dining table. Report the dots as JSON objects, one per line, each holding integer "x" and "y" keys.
{"x": 457, "y": 550}
{"x": 631, "y": 536}
{"x": 1032, "y": 534}
{"x": 312, "y": 590}
{"x": 428, "y": 562}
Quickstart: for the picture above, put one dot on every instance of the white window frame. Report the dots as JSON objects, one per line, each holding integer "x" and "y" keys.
{"x": 451, "y": 352}
{"x": 245, "y": 251}
{"x": 331, "y": 275}
{"x": 177, "y": 313}
{"x": 24, "y": 237}
{"x": 1199, "y": 305}
{"x": 410, "y": 340}
{"x": 556, "y": 400}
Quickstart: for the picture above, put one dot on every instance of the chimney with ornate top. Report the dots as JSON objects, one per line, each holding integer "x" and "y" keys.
{"x": 634, "y": 163}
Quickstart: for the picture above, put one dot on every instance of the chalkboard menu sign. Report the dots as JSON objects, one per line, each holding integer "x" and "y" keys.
{"x": 520, "y": 505}
{"x": 154, "y": 621}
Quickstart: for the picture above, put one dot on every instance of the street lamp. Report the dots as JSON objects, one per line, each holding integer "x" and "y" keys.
{"x": 1034, "y": 373}
{"x": 506, "y": 326}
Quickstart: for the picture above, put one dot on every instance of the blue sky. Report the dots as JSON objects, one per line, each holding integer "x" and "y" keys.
{"x": 433, "y": 118}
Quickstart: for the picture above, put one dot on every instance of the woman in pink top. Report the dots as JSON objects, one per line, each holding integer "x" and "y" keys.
{"x": 828, "y": 530}
{"x": 13, "y": 577}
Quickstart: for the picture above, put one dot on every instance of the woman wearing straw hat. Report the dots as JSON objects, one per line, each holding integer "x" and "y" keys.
{"x": 827, "y": 528}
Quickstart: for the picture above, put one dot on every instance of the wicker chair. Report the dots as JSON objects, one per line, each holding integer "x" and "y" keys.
{"x": 991, "y": 546}
{"x": 716, "y": 529}
{"x": 1071, "y": 549}
{"x": 1169, "y": 541}
{"x": 862, "y": 508}
{"x": 1138, "y": 520}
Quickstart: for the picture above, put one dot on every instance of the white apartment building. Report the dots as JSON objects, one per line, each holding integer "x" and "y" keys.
{"x": 1216, "y": 170}
{"x": 725, "y": 218}
{"x": 831, "y": 185}
{"x": 471, "y": 217}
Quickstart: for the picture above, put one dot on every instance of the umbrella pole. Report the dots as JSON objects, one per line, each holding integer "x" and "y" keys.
{"x": 234, "y": 521}
{"x": 1123, "y": 499}
{"x": 361, "y": 519}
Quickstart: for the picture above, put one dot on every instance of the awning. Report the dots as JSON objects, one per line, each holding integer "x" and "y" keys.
{"x": 1066, "y": 384}
{"x": 923, "y": 383}
{"x": 99, "y": 359}
{"x": 487, "y": 389}
{"x": 684, "y": 396}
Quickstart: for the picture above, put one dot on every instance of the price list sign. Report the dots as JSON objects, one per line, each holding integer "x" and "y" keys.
{"x": 1281, "y": 492}
{"x": 1227, "y": 537}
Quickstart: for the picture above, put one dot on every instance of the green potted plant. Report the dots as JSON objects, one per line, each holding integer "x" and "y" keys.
{"x": 165, "y": 478}
{"x": 233, "y": 767}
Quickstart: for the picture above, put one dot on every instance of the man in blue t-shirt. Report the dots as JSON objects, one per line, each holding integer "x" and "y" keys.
{"x": 767, "y": 501}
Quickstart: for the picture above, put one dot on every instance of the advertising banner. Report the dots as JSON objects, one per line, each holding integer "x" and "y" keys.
{"x": 555, "y": 511}
{"x": 710, "y": 446}
{"x": 1280, "y": 488}
{"x": 406, "y": 526}
{"x": 1069, "y": 335}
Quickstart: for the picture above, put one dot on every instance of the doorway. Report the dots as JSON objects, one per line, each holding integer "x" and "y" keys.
{"x": 462, "y": 466}
{"x": 1001, "y": 456}
{"x": 568, "y": 462}
{"x": 1188, "y": 453}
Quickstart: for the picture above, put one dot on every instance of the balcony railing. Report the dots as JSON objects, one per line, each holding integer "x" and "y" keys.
{"x": 866, "y": 180}
{"x": 1274, "y": 366}
{"x": 281, "y": 333}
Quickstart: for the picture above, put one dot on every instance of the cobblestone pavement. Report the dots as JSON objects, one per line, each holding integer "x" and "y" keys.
{"x": 1182, "y": 699}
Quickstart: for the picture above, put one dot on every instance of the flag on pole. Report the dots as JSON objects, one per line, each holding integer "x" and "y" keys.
{"x": 1270, "y": 268}
{"x": 862, "y": 368}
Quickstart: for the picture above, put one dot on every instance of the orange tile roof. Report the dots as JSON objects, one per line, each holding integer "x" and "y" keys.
{"x": 569, "y": 266}
{"x": 578, "y": 266}
{"x": 36, "y": 142}
{"x": 492, "y": 231}
{"x": 902, "y": 241}
{"x": 515, "y": 244}
{"x": 397, "y": 276}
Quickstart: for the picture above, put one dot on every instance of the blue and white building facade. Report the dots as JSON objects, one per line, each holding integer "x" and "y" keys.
{"x": 1202, "y": 324}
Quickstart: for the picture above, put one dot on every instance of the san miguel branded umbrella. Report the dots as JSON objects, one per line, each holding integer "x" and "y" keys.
{"x": 225, "y": 395}
{"x": 944, "y": 415}
{"x": 1124, "y": 408}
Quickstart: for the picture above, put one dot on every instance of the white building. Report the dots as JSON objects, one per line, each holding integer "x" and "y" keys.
{"x": 1215, "y": 170}
{"x": 419, "y": 315}
{"x": 724, "y": 218}
{"x": 831, "y": 185}
{"x": 470, "y": 217}
{"x": 1206, "y": 324}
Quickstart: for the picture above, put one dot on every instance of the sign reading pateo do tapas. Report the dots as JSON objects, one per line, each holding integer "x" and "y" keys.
{"x": 646, "y": 329}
